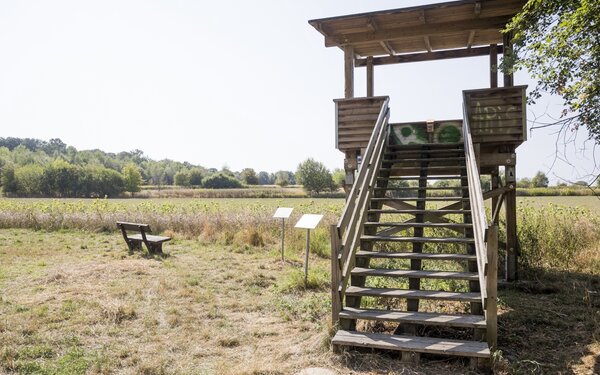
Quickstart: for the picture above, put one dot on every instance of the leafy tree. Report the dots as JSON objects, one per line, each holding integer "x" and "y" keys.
{"x": 249, "y": 177}
{"x": 339, "y": 177}
{"x": 29, "y": 179}
{"x": 539, "y": 180}
{"x": 61, "y": 179}
{"x": 9, "y": 181}
{"x": 264, "y": 178}
{"x": 314, "y": 176}
{"x": 182, "y": 178}
{"x": 524, "y": 183}
{"x": 196, "y": 176}
{"x": 221, "y": 181}
{"x": 282, "y": 178}
{"x": 98, "y": 182}
{"x": 558, "y": 42}
{"x": 132, "y": 178}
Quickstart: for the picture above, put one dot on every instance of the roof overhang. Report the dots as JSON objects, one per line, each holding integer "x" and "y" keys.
{"x": 421, "y": 30}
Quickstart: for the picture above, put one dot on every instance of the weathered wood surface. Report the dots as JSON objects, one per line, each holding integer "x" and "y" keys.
{"x": 428, "y": 28}
{"x": 355, "y": 121}
{"x": 429, "y": 56}
{"x": 420, "y": 294}
{"x": 497, "y": 115}
{"x": 141, "y": 235}
{"x": 426, "y": 318}
{"x": 413, "y": 343}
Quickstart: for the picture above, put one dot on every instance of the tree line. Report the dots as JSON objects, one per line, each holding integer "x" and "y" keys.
{"x": 36, "y": 168}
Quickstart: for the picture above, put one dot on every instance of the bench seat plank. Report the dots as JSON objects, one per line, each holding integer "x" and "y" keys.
{"x": 149, "y": 237}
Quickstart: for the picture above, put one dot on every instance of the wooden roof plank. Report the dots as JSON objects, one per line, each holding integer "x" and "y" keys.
{"x": 448, "y": 25}
{"x": 418, "y": 31}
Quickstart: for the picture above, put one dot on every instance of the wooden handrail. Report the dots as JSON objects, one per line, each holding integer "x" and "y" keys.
{"x": 486, "y": 238}
{"x": 346, "y": 234}
{"x": 480, "y": 225}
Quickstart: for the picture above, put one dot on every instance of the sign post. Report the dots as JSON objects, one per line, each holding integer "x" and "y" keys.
{"x": 282, "y": 213}
{"x": 308, "y": 222}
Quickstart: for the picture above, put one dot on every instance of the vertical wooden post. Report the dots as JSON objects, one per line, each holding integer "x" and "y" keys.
{"x": 348, "y": 72}
{"x": 491, "y": 308}
{"x": 336, "y": 303}
{"x": 493, "y": 66}
{"x": 370, "y": 77}
{"x": 495, "y": 183}
{"x": 507, "y": 52}
{"x": 350, "y": 166}
{"x": 511, "y": 224}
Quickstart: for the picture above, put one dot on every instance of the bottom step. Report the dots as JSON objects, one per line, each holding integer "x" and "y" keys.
{"x": 432, "y": 345}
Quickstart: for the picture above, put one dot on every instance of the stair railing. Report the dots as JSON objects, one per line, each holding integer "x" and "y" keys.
{"x": 486, "y": 237}
{"x": 345, "y": 235}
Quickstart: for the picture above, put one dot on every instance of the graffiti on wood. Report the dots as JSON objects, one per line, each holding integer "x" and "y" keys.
{"x": 416, "y": 133}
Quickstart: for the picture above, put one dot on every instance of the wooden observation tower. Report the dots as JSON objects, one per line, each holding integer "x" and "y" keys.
{"x": 399, "y": 228}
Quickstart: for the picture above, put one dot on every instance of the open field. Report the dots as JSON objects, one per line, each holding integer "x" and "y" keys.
{"x": 76, "y": 302}
{"x": 73, "y": 301}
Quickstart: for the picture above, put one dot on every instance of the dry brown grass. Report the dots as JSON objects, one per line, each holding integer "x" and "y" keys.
{"x": 75, "y": 302}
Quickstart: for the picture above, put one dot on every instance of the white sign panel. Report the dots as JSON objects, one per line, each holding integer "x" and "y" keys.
{"x": 308, "y": 221}
{"x": 283, "y": 213}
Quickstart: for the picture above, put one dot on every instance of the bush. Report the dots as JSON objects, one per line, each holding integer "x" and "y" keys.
{"x": 221, "y": 181}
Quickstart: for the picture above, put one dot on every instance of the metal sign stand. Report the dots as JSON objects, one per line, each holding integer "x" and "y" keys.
{"x": 308, "y": 222}
{"x": 283, "y": 213}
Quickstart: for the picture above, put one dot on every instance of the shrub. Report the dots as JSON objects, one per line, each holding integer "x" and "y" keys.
{"x": 221, "y": 181}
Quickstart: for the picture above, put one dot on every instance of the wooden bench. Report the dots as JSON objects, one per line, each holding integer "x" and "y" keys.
{"x": 134, "y": 241}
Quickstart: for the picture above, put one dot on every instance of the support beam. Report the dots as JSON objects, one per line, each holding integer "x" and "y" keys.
{"x": 348, "y": 72}
{"x": 493, "y": 66}
{"x": 370, "y": 78}
{"x": 471, "y": 38}
{"x": 510, "y": 199}
{"x": 428, "y": 56}
{"x": 384, "y": 44}
{"x": 508, "y": 75}
{"x": 427, "y": 44}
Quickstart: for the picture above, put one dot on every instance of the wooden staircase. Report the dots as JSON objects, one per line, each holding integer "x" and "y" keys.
{"x": 411, "y": 268}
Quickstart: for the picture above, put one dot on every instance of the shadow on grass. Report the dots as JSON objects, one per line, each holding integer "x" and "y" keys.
{"x": 547, "y": 325}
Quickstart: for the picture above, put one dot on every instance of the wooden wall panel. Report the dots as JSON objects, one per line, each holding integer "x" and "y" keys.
{"x": 497, "y": 115}
{"x": 355, "y": 120}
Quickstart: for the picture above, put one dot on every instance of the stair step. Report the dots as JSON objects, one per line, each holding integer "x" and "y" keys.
{"x": 412, "y": 178}
{"x": 443, "y": 199}
{"x": 417, "y": 160}
{"x": 430, "y": 145}
{"x": 431, "y": 319}
{"x": 417, "y": 274}
{"x": 431, "y": 345}
{"x": 416, "y": 212}
{"x": 419, "y": 225}
{"x": 423, "y": 256}
{"x": 413, "y": 293}
{"x": 428, "y": 168}
{"x": 419, "y": 152}
{"x": 418, "y": 239}
{"x": 417, "y": 188}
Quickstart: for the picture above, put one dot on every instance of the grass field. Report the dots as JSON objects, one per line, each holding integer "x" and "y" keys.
{"x": 74, "y": 301}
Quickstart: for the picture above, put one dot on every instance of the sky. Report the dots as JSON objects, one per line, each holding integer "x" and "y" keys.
{"x": 220, "y": 83}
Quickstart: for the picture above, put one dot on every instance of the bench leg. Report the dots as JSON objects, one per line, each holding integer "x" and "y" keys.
{"x": 155, "y": 248}
{"x": 134, "y": 245}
